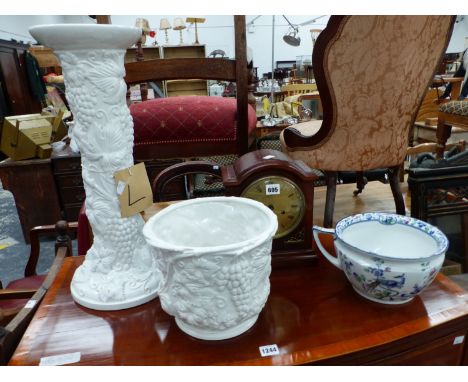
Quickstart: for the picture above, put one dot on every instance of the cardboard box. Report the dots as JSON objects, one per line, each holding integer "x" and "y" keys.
{"x": 29, "y": 136}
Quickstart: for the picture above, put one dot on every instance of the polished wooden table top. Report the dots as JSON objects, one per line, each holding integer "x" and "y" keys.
{"x": 313, "y": 315}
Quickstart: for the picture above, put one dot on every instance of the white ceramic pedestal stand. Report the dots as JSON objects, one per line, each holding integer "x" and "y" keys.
{"x": 119, "y": 270}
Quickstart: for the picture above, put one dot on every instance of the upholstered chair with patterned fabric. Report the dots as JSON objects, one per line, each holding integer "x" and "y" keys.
{"x": 372, "y": 73}
{"x": 451, "y": 114}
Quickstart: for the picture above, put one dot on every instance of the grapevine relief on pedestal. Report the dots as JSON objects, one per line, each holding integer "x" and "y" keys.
{"x": 119, "y": 266}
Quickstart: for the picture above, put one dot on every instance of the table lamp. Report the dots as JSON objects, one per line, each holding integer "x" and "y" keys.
{"x": 179, "y": 25}
{"x": 165, "y": 25}
{"x": 195, "y": 20}
{"x": 144, "y": 25}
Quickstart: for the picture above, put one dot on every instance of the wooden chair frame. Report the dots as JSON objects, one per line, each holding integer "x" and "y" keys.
{"x": 296, "y": 141}
{"x": 204, "y": 69}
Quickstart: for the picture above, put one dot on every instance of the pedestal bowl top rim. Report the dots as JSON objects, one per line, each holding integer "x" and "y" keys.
{"x": 85, "y": 36}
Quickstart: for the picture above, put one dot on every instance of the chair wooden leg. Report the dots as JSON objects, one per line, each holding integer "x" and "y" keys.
{"x": 330, "y": 178}
{"x": 402, "y": 173}
{"x": 443, "y": 134}
{"x": 394, "y": 179}
{"x": 361, "y": 182}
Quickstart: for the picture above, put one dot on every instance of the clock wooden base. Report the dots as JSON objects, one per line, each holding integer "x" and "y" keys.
{"x": 280, "y": 259}
{"x": 271, "y": 177}
{"x": 284, "y": 185}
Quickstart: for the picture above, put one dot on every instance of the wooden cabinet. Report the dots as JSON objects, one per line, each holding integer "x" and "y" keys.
{"x": 441, "y": 193}
{"x": 183, "y": 51}
{"x": 185, "y": 87}
{"x": 66, "y": 168}
{"x": 14, "y": 82}
{"x": 174, "y": 87}
{"x": 47, "y": 190}
{"x": 445, "y": 351}
{"x": 149, "y": 53}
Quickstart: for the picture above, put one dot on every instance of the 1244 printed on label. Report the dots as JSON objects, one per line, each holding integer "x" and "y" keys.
{"x": 268, "y": 350}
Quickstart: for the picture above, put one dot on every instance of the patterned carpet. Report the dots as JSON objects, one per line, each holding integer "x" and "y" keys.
{"x": 14, "y": 252}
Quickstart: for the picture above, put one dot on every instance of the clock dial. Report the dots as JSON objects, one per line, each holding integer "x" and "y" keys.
{"x": 283, "y": 197}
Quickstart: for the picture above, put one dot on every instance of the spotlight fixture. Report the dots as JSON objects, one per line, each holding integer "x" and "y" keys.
{"x": 291, "y": 37}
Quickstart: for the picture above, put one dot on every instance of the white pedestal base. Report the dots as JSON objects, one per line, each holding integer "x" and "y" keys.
{"x": 204, "y": 334}
{"x": 112, "y": 305}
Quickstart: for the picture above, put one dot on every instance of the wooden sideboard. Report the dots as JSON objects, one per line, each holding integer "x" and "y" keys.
{"x": 184, "y": 87}
{"x": 441, "y": 193}
{"x": 47, "y": 190}
{"x": 66, "y": 169}
{"x": 312, "y": 314}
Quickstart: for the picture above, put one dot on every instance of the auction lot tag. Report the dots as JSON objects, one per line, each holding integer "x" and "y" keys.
{"x": 268, "y": 350}
{"x": 273, "y": 189}
{"x": 62, "y": 359}
{"x": 133, "y": 189}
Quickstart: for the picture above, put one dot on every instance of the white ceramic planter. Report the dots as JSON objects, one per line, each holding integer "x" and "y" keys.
{"x": 215, "y": 254}
{"x": 387, "y": 258}
{"x": 119, "y": 270}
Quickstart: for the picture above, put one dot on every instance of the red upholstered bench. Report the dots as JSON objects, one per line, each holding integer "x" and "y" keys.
{"x": 186, "y": 119}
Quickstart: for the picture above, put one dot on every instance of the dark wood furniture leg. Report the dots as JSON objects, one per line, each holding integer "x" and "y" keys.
{"x": 443, "y": 133}
{"x": 330, "y": 178}
{"x": 361, "y": 182}
{"x": 394, "y": 178}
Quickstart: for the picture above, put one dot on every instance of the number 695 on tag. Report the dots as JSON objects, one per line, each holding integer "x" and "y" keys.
{"x": 272, "y": 189}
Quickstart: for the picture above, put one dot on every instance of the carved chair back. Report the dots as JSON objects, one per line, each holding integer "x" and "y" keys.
{"x": 372, "y": 73}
